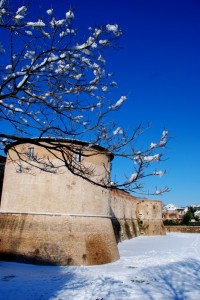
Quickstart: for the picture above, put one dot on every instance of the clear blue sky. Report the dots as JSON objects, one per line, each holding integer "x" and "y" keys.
{"x": 158, "y": 68}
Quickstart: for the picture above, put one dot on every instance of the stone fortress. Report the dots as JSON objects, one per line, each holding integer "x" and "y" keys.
{"x": 62, "y": 219}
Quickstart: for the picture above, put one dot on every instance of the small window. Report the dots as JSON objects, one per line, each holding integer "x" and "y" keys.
{"x": 78, "y": 156}
{"x": 19, "y": 170}
{"x": 31, "y": 153}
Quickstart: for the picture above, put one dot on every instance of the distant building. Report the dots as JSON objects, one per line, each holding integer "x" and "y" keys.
{"x": 171, "y": 212}
{"x": 195, "y": 206}
{"x": 197, "y": 214}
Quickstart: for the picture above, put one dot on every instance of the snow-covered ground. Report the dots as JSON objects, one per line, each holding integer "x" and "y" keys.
{"x": 160, "y": 267}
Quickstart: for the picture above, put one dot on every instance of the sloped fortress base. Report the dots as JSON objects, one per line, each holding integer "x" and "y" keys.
{"x": 57, "y": 239}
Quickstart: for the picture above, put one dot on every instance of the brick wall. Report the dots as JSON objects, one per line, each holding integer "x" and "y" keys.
{"x": 57, "y": 239}
{"x": 188, "y": 229}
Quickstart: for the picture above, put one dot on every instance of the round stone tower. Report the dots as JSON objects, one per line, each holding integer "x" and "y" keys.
{"x": 49, "y": 215}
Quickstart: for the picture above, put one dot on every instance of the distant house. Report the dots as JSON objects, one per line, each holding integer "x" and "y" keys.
{"x": 181, "y": 212}
{"x": 197, "y": 214}
{"x": 171, "y": 212}
{"x": 195, "y": 206}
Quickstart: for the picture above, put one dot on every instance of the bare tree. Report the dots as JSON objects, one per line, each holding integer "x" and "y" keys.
{"x": 54, "y": 85}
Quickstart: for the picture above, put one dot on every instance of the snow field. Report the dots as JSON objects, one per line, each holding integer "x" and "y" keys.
{"x": 150, "y": 268}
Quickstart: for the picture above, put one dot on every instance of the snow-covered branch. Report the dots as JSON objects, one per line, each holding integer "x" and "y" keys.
{"x": 54, "y": 84}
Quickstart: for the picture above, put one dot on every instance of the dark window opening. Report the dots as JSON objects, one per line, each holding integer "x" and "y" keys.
{"x": 2, "y": 167}
{"x": 31, "y": 153}
{"x": 19, "y": 170}
{"x": 78, "y": 156}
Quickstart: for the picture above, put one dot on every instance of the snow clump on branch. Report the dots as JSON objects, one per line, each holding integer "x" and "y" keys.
{"x": 159, "y": 173}
{"x": 70, "y": 14}
{"x": 118, "y": 131}
{"x": 39, "y": 23}
{"x": 113, "y": 28}
{"x": 133, "y": 177}
{"x": 49, "y": 11}
{"x": 118, "y": 103}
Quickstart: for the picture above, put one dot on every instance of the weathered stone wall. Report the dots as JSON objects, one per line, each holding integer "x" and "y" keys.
{"x": 57, "y": 239}
{"x": 149, "y": 214}
{"x": 132, "y": 217}
{"x": 39, "y": 191}
{"x": 187, "y": 229}
{"x": 123, "y": 212}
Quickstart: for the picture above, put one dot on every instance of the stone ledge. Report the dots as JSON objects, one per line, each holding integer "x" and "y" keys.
{"x": 187, "y": 229}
